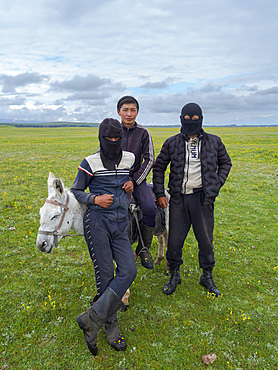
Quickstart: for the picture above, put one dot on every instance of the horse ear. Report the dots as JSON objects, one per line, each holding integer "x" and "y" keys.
{"x": 51, "y": 178}
{"x": 55, "y": 184}
{"x": 58, "y": 187}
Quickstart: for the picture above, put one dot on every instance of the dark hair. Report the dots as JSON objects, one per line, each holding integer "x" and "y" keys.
{"x": 127, "y": 100}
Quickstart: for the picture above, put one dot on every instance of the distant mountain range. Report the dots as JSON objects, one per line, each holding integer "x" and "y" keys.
{"x": 49, "y": 124}
{"x": 95, "y": 124}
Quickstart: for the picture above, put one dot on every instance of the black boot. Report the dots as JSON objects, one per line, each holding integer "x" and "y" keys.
{"x": 207, "y": 281}
{"x": 142, "y": 250}
{"x": 173, "y": 282}
{"x": 92, "y": 320}
{"x": 113, "y": 334}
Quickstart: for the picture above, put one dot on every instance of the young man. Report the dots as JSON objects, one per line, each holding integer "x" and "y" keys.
{"x": 106, "y": 174}
{"x": 137, "y": 139}
{"x": 200, "y": 166}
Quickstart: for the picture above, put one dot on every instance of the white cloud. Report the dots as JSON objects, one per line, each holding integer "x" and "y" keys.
{"x": 11, "y": 83}
{"x": 83, "y": 56}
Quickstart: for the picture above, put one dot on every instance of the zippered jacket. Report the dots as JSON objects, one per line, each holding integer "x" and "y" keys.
{"x": 137, "y": 140}
{"x": 215, "y": 166}
{"x": 93, "y": 175}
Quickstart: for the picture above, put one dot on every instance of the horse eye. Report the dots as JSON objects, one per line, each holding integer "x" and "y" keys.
{"x": 52, "y": 218}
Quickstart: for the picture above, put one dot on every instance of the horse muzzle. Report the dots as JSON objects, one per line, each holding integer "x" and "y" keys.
{"x": 45, "y": 241}
{"x": 44, "y": 246}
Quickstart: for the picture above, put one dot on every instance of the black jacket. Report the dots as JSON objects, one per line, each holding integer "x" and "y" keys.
{"x": 215, "y": 166}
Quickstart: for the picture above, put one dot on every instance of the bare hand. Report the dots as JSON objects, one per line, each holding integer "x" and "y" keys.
{"x": 162, "y": 202}
{"x": 128, "y": 187}
{"x": 104, "y": 200}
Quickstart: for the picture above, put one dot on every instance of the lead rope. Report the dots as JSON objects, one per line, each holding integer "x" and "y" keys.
{"x": 134, "y": 211}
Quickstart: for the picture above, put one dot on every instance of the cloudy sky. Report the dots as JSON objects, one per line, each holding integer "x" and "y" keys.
{"x": 71, "y": 60}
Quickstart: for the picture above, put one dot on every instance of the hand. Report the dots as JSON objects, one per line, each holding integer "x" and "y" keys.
{"x": 104, "y": 200}
{"x": 128, "y": 187}
{"x": 162, "y": 202}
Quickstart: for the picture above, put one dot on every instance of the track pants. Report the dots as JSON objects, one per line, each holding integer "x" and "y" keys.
{"x": 107, "y": 241}
{"x": 190, "y": 210}
{"x": 144, "y": 198}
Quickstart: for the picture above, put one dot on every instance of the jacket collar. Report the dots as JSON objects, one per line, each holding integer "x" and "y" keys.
{"x": 200, "y": 136}
{"x": 127, "y": 128}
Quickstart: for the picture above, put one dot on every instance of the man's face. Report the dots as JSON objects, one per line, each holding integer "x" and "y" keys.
{"x": 128, "y": 114}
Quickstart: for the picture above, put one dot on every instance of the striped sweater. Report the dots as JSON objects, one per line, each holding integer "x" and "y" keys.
{"x": 93, "y": 175}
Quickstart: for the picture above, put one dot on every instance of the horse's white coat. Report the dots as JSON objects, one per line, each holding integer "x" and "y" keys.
{"x": 50, "y": 216}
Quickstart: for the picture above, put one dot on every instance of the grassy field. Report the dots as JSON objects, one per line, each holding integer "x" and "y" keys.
{"x": 41, "y": 294}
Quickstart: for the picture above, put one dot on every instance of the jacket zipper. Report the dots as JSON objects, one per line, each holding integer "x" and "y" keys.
{"x": 117, "y": 181}
{"x": 187, "y": 169}
{"x": 127, "y": 136}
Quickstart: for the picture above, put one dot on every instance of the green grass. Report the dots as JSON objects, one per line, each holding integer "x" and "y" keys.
{"x": 41, "y": 295}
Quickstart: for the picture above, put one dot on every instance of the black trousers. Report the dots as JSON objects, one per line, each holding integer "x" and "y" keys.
{"x": 190, "y": 210}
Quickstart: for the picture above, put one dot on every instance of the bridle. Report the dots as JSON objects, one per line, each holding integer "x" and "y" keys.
{"x": 56, "y": 232}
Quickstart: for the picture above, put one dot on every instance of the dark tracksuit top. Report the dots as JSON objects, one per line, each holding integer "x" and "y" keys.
{"x": 138, "y": 141}
{"x": 105, "y": 229}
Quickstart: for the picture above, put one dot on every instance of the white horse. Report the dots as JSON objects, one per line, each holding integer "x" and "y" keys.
{"x": 62, "y": 212}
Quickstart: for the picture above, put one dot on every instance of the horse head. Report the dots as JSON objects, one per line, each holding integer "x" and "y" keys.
{"x": 56, "y": 216}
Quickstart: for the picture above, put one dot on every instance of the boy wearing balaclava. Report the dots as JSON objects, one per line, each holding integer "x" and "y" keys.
{"x": 106, "y": 174}
{"x": 200, "y": 166}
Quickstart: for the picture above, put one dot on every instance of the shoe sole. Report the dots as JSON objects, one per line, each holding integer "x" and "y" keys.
{"x": 119, "y": 349}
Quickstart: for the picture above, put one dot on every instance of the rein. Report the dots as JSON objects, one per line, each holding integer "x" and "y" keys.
{"x": 56, "y": 233}
{"x": 135, "y": 209}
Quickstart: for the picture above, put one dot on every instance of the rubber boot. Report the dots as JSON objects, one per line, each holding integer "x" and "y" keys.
{"x": 207, "y": 281}
{"x": 143, "y": 250}
{"x": 173, "y": 282}
{"x": 92, "y": 320}
{"x": 113, "y": 334}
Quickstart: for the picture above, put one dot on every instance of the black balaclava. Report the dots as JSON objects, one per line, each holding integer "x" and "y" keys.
{"x": 190, "y": 126}
{"x": 110, "y": 151}
{"x": 127, "y": 100}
